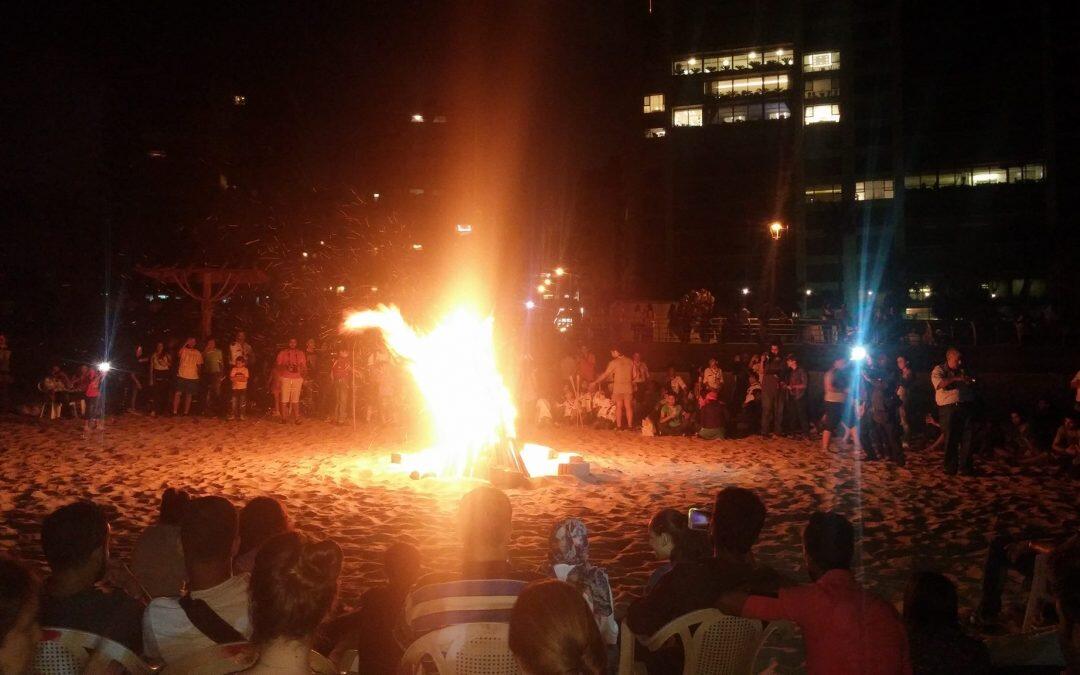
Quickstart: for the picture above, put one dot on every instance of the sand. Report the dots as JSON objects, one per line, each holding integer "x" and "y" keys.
{"x": 337, "y": 483}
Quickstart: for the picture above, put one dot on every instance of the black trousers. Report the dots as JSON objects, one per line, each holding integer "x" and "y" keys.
{"x": 955, "y": 422}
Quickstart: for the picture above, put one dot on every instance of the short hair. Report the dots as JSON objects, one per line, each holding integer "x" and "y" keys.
{"x": 260, "y": 519}
{"x": 791, "y": 356}
{"x": 553, "y": 631}
{"x": 18, "y": 588}
{"x": 293, "y": 586}
{"x": 930, "y": 601}
{"x": 829, "y": 539}
{"x": 402, "y": 562}
{"x": 71, "y": 533}
{"x": 687, "y": 544}
{"x": 173, "y": 504}
{"x": 737, "y": 518}
{"x": 484, "y": 516}
{"x": 208, "y": 530}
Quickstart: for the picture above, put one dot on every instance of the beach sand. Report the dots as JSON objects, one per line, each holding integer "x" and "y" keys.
{"x": 338, "y": 483}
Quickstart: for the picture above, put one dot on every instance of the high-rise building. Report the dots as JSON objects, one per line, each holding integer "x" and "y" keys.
{"x": 903, "y": 148}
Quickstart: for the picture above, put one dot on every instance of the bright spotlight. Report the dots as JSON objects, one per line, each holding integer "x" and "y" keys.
{"x": 541, "y": 288}
{"x": 529, "y": 304}
{"x": 559, "y": 271}
{"x": 858, "y": 353}
{"x": 746, "y": 291}
{"x": 104, "y": 366}
{"x": 547, "y": 282}
{"x": 809, "y": 292}
{"x": 417, "y": 118}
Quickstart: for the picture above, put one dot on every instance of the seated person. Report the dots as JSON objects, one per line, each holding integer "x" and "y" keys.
{"x": 19, "y": 629}
{"x": 845, "y": 629}
{"x": 713, "y": 417}
{"x": 604, "y": 409}
{"x": 260, "y": 519}
{"x": 372, "y": 631}
{"x": 75, "y": 539}
{"x": 215, "y": 608}
{"x": 1007, "y": 553}
{"x": 158, "y": 558}
{"x": 936, "y": 641}
{"x": 1019, "y": 444}
{"x": 568, "y": 560}
{"x": 293, "y": 587}
{"x": 691, "y": 584}
{"x": 672, "y": 541}
{"x": 671, "y": 417}
{"x": 1066, "y": 444}
{"x": 486, "y": 580}
{"x": 568, "y": 407}
{"x": 551, "y": 631}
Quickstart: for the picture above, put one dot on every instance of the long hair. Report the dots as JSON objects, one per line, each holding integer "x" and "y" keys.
{"x": 293, "y": 586}
{"x": 552, "y": 631}
{"x": 688, "y": 544}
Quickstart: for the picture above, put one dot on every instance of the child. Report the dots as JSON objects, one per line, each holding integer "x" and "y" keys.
{"x": 239, "y": 378}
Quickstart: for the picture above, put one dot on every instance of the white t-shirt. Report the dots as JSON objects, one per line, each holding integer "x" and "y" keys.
{"x": 190, "y": 360}
{"x": 169, "y": 635}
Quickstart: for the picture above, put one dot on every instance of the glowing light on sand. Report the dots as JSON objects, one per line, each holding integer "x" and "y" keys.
{"x": 454, "y": 366}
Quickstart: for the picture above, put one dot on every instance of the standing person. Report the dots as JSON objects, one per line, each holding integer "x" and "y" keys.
{"x": 160, "y": 368}
{"x": 836, "y": 388}
{"x": 772, "y": 402}
{"x": 213, "y": 373}
{"x": 138, "y": 370}
{"x": 620, "y": 370}
{"x": 796, "y": 391}
{"x": 586, "y": 364}
{"x": 238, "y": 377}
{"x": 241, "y": 347}
{"x": 5, "y": 374}
{"x": 309, "y": 392}
{"x": 904, "y": 383}
{"x": 291, "y": 369}
{"x": 712, "y": 377}
{"x": 95, "y": 406}
{"x": 641, "y": 376}
{"x": 189, "y": 362}
{"x": 341, "y": 376}
{"x": 953, "y": 395}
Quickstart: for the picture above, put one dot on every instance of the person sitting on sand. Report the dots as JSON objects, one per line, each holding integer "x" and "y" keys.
{"x": 552, "y": 631}
{"x": 672, "y": 541}
{"x": 478, "y": 591}
{"x": 937, "y": 643}
{"x": 75, "y": 539}
{"x": 1066, "y": 445}
{"x": 260, "y": 519}
{"x": 712, "y": 416}
{"x": 846, "y": 630}
{"x": 293, "y": 586}
{"x": 569, "y": 406}
{"x": 215, "y": 608}
{"x": 568, "y": 560}
{"x": 157, "y": 560}
{"x": 604, "y": 409}
{"x": 19, "y": 628}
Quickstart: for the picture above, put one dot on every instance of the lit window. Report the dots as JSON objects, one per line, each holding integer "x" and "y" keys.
{"x": 1034, "y": 172}
{"x": 779, "y": 57}
{"x": 462, "y": 228}
{"x": 823, "y": 193}
{"x": 822, "y": 87}
{"x": 821, "y": 113}
{"x": 873, "y": 189}
{"x": 239, "y": 99}
{"x": 715, "y": 64}
{"x": 819, "y": 61}
{"x": 654, "y": 103}
{"x": 926, "y": 181}
{"x": 688, "y": 66}
{"x": 417, "y": 118}
{"x": 686, "y": 117}
{"x": 656, "y": 132}
{"x": 777, "y": 111}
{"x": 985, "y": 175}
{"x": 775, "y": 83}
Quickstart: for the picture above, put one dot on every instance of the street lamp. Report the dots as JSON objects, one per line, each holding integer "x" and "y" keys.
{"x": 745, "y": 291}
{"x": 559, "y": 271}
{"x": 776, "y": 228}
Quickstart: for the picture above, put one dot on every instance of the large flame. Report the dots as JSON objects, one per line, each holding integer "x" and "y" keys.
{"x": 454, "y": 367}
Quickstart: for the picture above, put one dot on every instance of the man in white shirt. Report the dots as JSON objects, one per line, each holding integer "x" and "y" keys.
{"x": 217, "y": 601}
{"x": 952, "y": 393}
{"x": 190, "y": 361}
{"x": 713, "y": 377}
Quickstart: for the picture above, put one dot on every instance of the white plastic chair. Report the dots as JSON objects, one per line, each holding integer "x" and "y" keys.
{"x": 463, "y": 649}
{"x": 1040, "y": 594}
{"x": 65, "y": 651}
{"x": 713, "y": 643}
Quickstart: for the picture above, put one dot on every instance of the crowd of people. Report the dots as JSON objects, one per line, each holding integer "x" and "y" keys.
{"x": 208, "y": 574}
{"x": 877, "y": 405}
{"x": 200, "y": 378}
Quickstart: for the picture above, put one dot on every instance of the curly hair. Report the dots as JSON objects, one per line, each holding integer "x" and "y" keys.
{"x": 293, "y": 586}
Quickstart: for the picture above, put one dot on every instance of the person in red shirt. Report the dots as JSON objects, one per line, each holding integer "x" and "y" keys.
{"x": 846, "y": 629}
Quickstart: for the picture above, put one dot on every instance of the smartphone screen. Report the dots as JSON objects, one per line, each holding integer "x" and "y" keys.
{"x": 699, "y": 519}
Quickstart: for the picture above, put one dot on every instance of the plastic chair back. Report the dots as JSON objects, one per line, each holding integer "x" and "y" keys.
{"x": 66, "y": 651}
{"x": 463, "y": 649}
{"x": 713, "y": 643}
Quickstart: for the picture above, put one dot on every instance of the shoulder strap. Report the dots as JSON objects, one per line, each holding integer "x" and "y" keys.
{"x": 208, "y": 622}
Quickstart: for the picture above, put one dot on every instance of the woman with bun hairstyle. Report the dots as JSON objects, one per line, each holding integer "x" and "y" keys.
{"x": 293, "y": 586}
{"x": 552, "y": 631}
{"x": 672, "y": 541}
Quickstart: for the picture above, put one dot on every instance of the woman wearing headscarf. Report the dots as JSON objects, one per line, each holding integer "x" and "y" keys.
{"x": 568, "y": 560}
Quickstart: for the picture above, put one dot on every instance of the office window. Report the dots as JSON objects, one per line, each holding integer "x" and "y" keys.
{"x": 815, "y": 114}
{"x": 986, "y": 175}
{"x": 686, "y": 117}
{"x": 688, "y": 66}
{"x": 822, "y": 87}
{"x": 779, "y": 57}
{"x": 654, "y": 103}
{"x": 824, "y": 193}
{"x": 656, "y": 132}
{"x": 816, "y": 62}
{"x": 962, "y": 178}
{"x": 777, "y": 111}
{"x": 746, "y": 61}
{"x": 1034, "y": 172}
{"x": 715, "y": 64}
{"x": 922, "y": 182}
{"x": 718, "y": 88}
{"x": 775, "y": 83}
{"x": 873, "y": 189}
{"x": 1016, "y": 174}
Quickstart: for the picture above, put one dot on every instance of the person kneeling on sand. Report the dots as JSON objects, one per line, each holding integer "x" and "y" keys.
{"x": 215, "y": 609}
{"x": 845, "y": 628}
